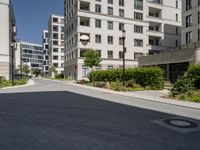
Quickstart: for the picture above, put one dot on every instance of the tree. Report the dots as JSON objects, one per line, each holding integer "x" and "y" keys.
{"x": 53, "y": 69}
{"x": 35, "y": 72}
{"x": 25, "y": 69}
{"x": 92, "y": 59}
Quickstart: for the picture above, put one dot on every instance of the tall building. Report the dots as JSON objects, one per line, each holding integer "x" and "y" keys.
{"x": 56, "y": 43}
{"x": 191, "y": 21}
{"x": 32, "y": 55}
{"x": 151, "y": 26}
{"x": 7, "y": 39}
{"x": 45, "y": 44}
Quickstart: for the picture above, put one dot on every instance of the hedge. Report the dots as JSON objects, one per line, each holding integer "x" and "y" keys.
{"x": 193, "y": 74}
{"x": 152, "y": 77}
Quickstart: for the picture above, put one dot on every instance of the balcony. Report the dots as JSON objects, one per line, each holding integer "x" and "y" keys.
{"x": 84, "y": 6}
{"x": 156, "y": 1}
{"x": 84, "y": 21}
{"x": 155, "y": 13}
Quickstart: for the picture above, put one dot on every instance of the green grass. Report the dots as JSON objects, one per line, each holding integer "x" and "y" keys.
{"x": 8, "y": 83}
{"x": 192, "y": 97}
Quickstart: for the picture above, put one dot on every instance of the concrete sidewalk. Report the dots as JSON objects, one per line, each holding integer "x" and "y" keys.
{"x": 155, "y": 96}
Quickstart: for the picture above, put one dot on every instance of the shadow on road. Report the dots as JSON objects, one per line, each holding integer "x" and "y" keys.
{"x": 64, "y": 120}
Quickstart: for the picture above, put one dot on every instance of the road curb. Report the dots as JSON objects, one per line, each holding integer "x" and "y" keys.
{"x": 186, "y": 104}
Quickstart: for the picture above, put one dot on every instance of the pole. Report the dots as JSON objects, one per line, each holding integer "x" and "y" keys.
{"x": 12, "y": 65}
{"x": 123, "y": 76}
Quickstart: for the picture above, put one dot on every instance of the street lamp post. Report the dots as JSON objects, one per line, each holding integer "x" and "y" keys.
{"x": 124, "y": 51}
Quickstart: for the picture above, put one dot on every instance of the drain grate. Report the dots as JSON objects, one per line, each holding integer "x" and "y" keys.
{"x": 181, "y": 125}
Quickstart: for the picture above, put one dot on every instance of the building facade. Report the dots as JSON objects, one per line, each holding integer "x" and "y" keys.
{"x": 175, "y": 62}
{"x": 45, "y": 44}
{"x": 32, "y": 55}
{"x": 7, "y": 39}
{"x": 151, "y": 26}
{"x": 191, "y": 21}
{"x": 56, "y": 43}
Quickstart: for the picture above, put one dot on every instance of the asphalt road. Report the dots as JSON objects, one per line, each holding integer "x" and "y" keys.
{"x": 50, "y": 116}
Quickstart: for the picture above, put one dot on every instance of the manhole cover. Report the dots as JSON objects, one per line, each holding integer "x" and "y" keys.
{"x": 181, "y": 123}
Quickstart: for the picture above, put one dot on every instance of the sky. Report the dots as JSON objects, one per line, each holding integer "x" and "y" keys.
{"x": 32, "y": 17}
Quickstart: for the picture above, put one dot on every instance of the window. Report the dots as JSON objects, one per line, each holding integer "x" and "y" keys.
{"x": 55, "y": 42}
{"x": 62, "y": 50}
{"x": 188, "y": 37}
{"x": 110, "y": 54}
{"x": 110, "y": 25}
{"x": 198, "y": 17}
{"x": 121, "y": 2}
{"x": 110, "y": 39}
{"x": 97, "y": 38}
{"x": 138, "y": 16}
{"x": 110, "y": 11}
{"x": 62, "y": 57}
{"x": 55, "y": 57}
{"x": 121, "y": 26}
{"x": 138, "y": 43}
{"x": 120, "y": 40}
{"x": 55, "y": 50}
{"x": 176, "y": 4}
{"x": 176, "y": 17}
{"x": 99, "y": 53}
{"x": 199, "y": 35}
{"x": 121, "y": 12}
{"x": 138, "y": 4}
{"x": 137, "y": 55}
{"x": 55, "y": 19}
{"x": 110, "y": 67}
{"x": 176, "y": 43}
{"x": 138, "y": 29}
{"x": 55, "y": 64}
{"x": 55, "y": 35}
{"x": 85, "y": 71}
{"x": 188, "y": 5}
{"x": 120, "y": 55}
{"x": 98, "y": 23}
{"x": 98, "y": 8}
{"x": 55, "y": 28}
{"x": 189, "y": 21}
{"x": 110, "y": 1}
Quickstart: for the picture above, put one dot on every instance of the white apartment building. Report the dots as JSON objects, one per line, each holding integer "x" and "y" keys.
{"x": 151, "y": 26}
{"x": 45, "y": 44}
{"x": 191, "y": 21}
{"x": 32, "y": 55}
{"x": 7, "y": 39}
{"x": 56, "y": 43}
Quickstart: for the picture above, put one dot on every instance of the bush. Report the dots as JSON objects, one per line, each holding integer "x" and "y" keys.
{"x": 182, "y": 86}
{"x": 196, "y": 82}
{"x": 144, "y": 76}
{"x": 193, "y": 72}
{"x": 117, "y": 86}
{"x": 59, "y": 76}
{"x": 100, "y": 84}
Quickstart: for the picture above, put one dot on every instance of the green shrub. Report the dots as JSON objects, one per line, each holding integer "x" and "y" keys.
{"x": 196, "y": 82}
{"x": 117, "y": 86}
{"x": 100, "y": 84}
{"x": 144, "y": 76}
{"x": 182, "y": 86}
{"x": 193, "y": 72}
{"x": 59, "y": 76}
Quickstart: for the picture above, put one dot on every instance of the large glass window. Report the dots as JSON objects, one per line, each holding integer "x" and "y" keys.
{"x": 85, "y": 71}
{"x": 138, "y": 4}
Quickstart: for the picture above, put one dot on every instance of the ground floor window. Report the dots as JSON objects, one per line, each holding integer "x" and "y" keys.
{"x": 85, "y": 71}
